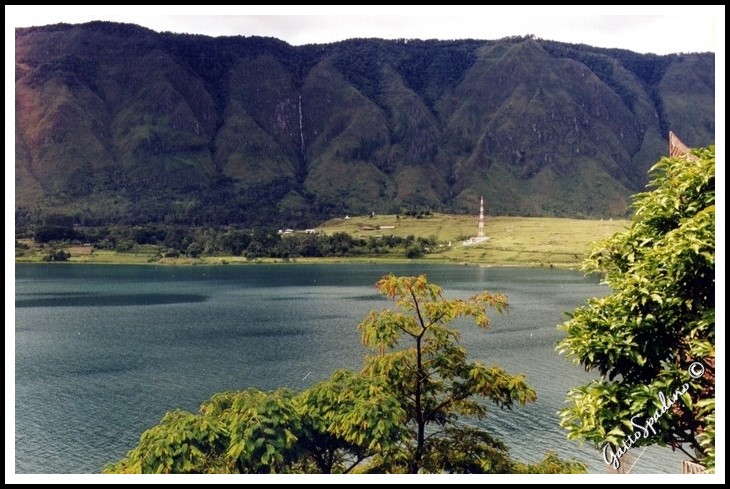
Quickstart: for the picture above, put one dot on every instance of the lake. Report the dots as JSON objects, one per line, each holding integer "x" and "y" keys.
{"x": 102, "y": 352}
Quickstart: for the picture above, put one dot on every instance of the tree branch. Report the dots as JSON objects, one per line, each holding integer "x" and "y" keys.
{"x": 360, "y": 458}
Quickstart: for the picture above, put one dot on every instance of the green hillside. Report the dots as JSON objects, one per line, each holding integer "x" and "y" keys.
{"x": 117, "y": 124}
{"x": 532, "y": 241}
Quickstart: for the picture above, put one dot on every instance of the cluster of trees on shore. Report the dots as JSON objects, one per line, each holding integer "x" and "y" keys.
{"x": 174, "y": 241}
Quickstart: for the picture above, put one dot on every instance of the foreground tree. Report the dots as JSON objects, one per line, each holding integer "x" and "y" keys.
{"x": 653, "y": 338}
{"x": 398, "y": 415}
{"x": 435, "y": 382}
{"x": 330, "y": 428}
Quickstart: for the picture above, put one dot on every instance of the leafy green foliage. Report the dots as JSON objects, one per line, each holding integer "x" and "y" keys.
{"x": 649, "y": 337}
{"x": 551, "y": 464}
{"x": 237, "y": 432}
{"x": 329, "y": 428}
{"x": 45, "y": 234}
{"x": 434, "y": 381}
{"x": 414, "y": 251}
{"x": 57, "y": 255}
{"x": 262, "y": 428}
{"x": 348, "y": 419}
{"x": 182, "y": 443}
{"x": 372, "y": 421}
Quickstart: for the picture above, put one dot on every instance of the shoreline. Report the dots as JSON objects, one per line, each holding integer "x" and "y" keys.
{"x": 216, "y": 261}
{"x": 514, "y": 242}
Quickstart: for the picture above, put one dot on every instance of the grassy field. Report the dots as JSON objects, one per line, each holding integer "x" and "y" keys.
{"x": 529, "y": 241}
{"x": 518, "y": 241}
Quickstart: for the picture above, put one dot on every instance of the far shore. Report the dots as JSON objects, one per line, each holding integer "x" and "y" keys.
{"x": 538, "y": 242}
{"x": 117, "y": 258}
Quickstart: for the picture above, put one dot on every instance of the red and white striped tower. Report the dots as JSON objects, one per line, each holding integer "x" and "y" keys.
{"x": 481, "y": 218}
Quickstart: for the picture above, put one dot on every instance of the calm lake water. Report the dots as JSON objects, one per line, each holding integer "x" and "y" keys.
{"x": 102, "y": 352}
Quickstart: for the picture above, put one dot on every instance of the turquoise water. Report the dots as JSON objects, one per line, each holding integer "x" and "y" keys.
{"x": 102, "y": 352}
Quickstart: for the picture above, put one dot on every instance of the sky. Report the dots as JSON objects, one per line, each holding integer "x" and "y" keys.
{"x": 643, "y": 29}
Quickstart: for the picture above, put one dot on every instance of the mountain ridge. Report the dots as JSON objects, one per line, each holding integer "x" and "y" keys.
{"x": 116, "y": 123}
